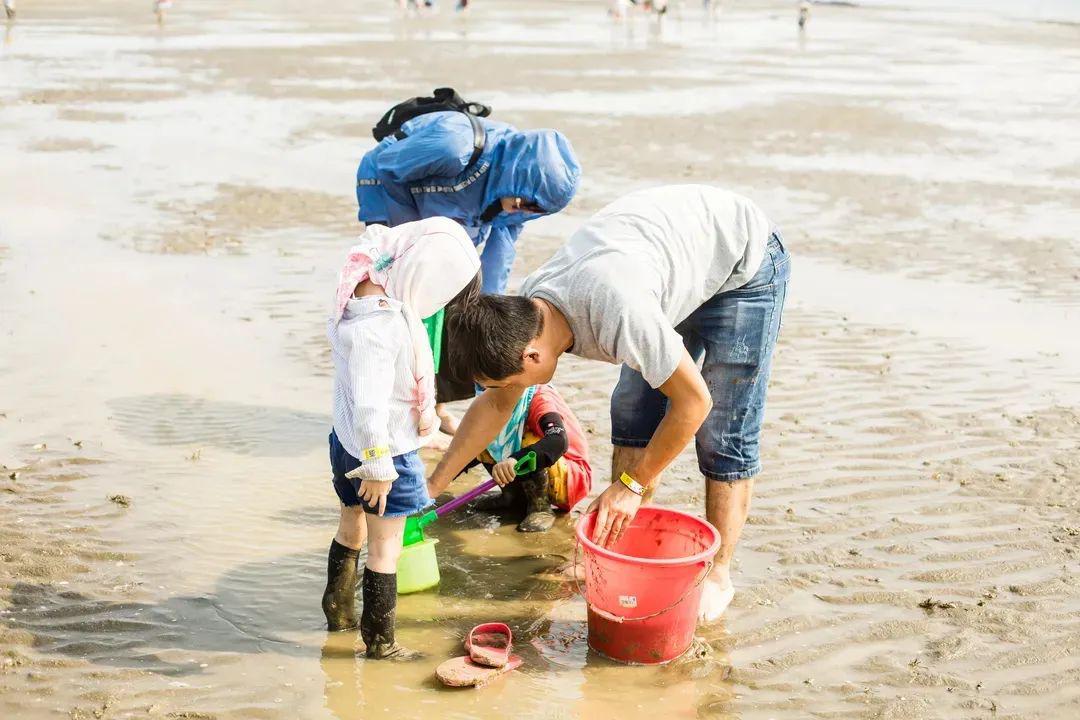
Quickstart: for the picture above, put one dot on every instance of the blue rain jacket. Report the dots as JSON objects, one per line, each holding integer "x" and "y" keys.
{"x": 425, "y": 175}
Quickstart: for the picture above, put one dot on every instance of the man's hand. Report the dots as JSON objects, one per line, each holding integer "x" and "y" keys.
{"x": 374, "y": 493}
{"x": 615, "y": 507}
{"x": 503, "y": 472}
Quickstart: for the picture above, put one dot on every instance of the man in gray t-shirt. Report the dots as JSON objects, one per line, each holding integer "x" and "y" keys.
{"x": 660, "y": 281}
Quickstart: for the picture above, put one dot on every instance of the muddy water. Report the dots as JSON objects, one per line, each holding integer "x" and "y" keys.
{"x": 173, "y": 205}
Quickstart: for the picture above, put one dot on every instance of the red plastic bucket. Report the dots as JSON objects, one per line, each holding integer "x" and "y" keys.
{"x": 643, "y": 593}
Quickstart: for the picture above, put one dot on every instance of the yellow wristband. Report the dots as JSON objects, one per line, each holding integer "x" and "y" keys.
{"x": 632, "y": 485}
{"x": 372, "y": 453}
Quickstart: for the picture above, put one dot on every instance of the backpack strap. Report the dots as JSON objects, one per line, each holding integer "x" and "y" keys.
{"x": 479, "y": 139}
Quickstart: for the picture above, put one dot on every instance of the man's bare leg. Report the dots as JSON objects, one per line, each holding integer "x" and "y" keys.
{"x": 727, "y": 504}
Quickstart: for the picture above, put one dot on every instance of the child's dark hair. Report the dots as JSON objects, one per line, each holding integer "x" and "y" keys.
{"x": 487, "y": 337}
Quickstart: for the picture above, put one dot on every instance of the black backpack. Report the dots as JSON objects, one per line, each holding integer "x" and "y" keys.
{"x": 442, "y": 99}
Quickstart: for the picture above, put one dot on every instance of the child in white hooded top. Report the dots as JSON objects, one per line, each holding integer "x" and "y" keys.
{"x": 384, "y": 407}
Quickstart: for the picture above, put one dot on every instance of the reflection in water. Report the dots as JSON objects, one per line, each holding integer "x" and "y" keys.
{"x": 340, "y": 661}
{"x": 137, "y": 635}
{"x": 187, "y": 420}
{"x": 266, "y": 614}
{"x": 320, "y": 516}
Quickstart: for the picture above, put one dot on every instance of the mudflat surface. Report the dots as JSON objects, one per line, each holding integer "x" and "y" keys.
{"x": 174, "y": 205}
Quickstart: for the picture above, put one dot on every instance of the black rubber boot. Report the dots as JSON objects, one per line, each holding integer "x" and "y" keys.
{"x": 538, "y": 515}
{"x": 508, "y": 498}
{"x": 339, "y": 598}
{"x": 379, "y": 616}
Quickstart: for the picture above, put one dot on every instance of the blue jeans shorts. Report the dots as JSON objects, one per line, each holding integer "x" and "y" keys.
{"x": 408, "y": 495}
{"x": 732, "y": 337}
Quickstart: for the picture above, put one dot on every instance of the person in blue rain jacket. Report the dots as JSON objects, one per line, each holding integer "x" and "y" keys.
{"x": 425, "y": 171}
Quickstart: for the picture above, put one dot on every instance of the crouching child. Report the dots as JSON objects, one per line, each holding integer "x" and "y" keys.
{"x": 542, "y": 424}
{"x": 384, "y": 408}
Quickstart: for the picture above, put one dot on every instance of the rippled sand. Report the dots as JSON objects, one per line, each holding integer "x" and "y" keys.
{"x": 174, "y": 203}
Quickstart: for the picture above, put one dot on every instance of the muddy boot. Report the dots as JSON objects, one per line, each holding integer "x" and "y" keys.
{"x": 339, "y": 598}
{"x": 538, "y": 515}
{"x": 508, "y": 498}
{"x": 377, "y": 620}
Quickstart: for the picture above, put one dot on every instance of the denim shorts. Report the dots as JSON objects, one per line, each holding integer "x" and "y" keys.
{"x": 732, "y": 337}
{"x": 408, "y": 494}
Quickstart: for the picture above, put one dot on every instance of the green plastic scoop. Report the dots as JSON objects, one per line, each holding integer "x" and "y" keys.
{"x": 414, "y": 526}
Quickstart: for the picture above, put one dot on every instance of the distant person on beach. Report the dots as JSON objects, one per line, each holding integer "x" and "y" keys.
{"x": 406, "y": 5}
{"x": 9, "y": 9}
{"x": 542, "y": 425}
{"x": 619, "y": 8}
{"x": 658, "y": 281}
{"x": 804, "y": 14}
{"x": 486, "y": 175}
{"x": 160, "y": 6}
{"x": 384, "y": 408}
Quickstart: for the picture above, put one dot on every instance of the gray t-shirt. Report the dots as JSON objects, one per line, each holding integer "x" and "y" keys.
{"x": 641, "y": 265}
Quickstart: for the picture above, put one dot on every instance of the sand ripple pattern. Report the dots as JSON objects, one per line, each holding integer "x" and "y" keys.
{"x": 183, "y": 420}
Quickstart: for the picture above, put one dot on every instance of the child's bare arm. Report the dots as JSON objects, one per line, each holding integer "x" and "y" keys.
{"x": 487, "y": 415}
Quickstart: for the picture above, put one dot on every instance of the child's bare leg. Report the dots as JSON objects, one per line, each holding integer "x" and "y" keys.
{"x": 385, "y": 536}
{"x": 380, "y": 589}
{"x": 352, "y": 527}
{"x": 339, "y": 598}
{"x": 448, "y": 421}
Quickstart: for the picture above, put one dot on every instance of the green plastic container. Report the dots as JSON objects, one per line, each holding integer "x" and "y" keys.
{"x": 417, "y": 568}
{"x": 434, "y": 327}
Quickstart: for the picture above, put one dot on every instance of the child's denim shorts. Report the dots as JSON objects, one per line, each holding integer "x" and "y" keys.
{"x": 408, "y": 495}
{"x": 732, "y": 335}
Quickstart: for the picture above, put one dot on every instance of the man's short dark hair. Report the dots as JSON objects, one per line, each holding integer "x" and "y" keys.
{"x": 487, "y": 337}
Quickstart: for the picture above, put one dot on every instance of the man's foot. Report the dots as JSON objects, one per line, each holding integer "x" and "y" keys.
{"x": 715, "y": 598}
{"x": 537, "y": 522}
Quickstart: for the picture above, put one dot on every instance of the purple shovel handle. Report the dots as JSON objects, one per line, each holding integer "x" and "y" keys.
{"x": 465, "y": 498}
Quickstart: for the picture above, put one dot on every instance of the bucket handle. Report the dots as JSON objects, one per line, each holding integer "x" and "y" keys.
{"x": 619, "y": 618}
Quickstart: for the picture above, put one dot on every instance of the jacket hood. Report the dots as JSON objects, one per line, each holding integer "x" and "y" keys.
{"x": 538, "y": 166}
{"x": 423, "y": 264}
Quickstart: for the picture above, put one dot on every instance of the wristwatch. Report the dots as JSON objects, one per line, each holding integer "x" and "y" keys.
{"x": 632, "y": 485}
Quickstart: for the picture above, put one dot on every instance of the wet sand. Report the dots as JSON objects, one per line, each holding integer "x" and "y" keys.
{"x": 174, "y": 203}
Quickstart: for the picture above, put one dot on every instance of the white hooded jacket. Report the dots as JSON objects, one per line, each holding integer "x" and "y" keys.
{"x": 384, "y": 379}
